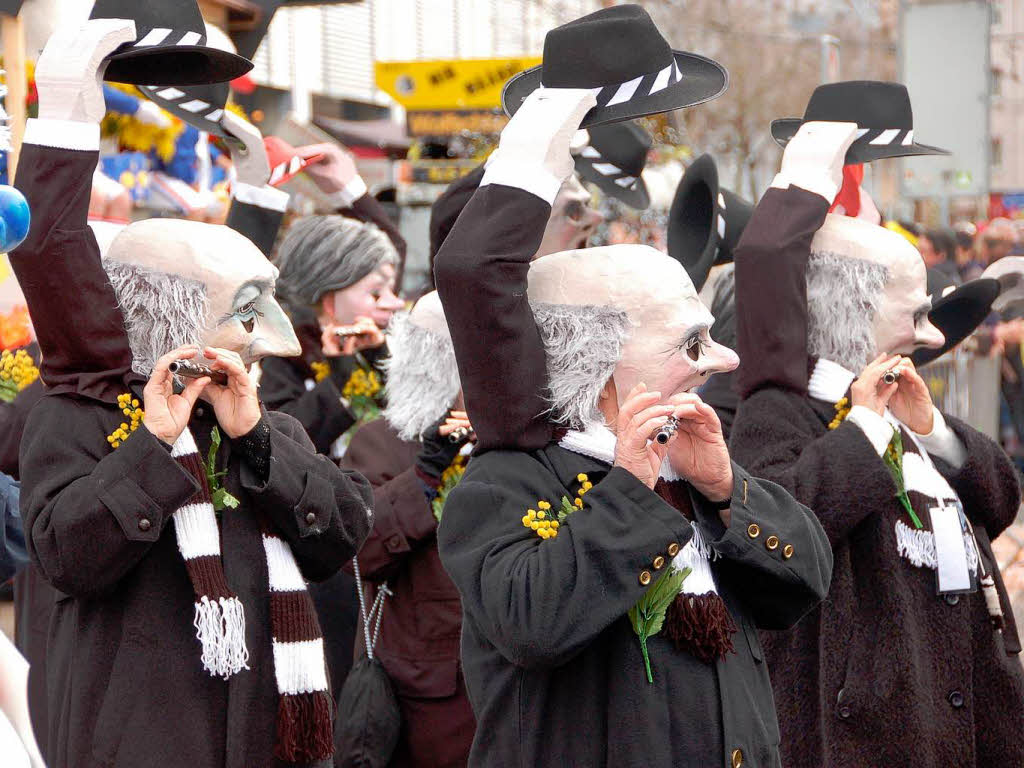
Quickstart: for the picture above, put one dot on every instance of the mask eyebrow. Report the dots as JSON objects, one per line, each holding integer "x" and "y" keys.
{"x": 261, "y": 285}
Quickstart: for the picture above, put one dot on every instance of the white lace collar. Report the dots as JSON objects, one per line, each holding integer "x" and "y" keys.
{"x": 829, "y": 381}
{"x": 598, "y": 442}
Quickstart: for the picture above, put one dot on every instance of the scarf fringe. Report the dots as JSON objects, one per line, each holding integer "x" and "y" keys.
{"x": 701, "y": 626}
{"x": 305, "y": 731}
{"x": 696, "y": 556}
{"x": 919, "y": 547}
{"x": 220, "y": 628}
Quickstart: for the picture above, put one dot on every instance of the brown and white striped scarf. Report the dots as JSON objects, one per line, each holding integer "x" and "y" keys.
{"x": 304, "y": 718}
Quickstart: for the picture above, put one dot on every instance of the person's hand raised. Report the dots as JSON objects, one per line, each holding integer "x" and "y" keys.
{"x": 912, "y": 401}
{"x": 167, "y": 413}
{"x": 236, "y": 404}
{"x": 869, "y": 390}
{"x": 639, "y": 418}
{"x": 248, "y": 153}
{"x": 697, "y": 451}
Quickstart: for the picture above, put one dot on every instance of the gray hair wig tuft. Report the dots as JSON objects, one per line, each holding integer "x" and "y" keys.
{"x": 422, "y": 380}
{"x": 843, "y": 298}
{"x": 161, "y": 311}
{"x": 583, "y": 344}
{"x": 321, "y": 254}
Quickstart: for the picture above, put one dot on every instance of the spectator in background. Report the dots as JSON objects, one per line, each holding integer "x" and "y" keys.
{"x": 992, "y": 243}
{"x": 938, "y": 249}
{"x": 965, "y": 234}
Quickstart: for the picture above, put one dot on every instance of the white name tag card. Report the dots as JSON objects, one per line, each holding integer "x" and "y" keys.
{"x": 950, "y": 549}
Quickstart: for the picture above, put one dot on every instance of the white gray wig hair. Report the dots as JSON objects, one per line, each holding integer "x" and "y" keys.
{"x": 843, "y": 298}
{"x": 321, "y": 254}
{"x": 422, "y": 377}
{"x": 583, "y": 345}
{"x": 161, "y": 311}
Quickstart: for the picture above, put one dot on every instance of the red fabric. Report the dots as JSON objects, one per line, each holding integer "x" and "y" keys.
{"x": 849, "y": 194}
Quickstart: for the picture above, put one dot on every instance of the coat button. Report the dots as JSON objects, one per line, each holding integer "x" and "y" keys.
{"x": 952, "y": 599}
{"x": 310, "y": 518}
{"x": 737, "y": 758}
{"x": 659, "y": 563}
{"x": 956, "y": 699}
{"x": 673, "y": 549}
{"x": 753, "y": 530}
{"x": 843, "y": 710}
{"x": 200, "y": 411}
{"x": 772, "y": 542}
{"x": 645, "y": 578}
{"x": 144, "y": 524}
{"x": 787, "y": 551}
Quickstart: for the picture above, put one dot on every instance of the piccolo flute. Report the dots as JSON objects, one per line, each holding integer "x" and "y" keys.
{"x": 186, "y": 369}
{"x": 347, "y": 331}
{"x": 458, "y": 435}
{"x": 664, "y": 434}
{"x": 891, "y": 376}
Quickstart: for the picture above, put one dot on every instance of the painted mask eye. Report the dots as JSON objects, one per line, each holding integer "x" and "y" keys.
{"x": 247, "y": 315}
{"x": 692, "y": 348}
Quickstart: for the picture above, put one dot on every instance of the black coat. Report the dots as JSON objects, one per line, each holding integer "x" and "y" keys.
{"x": 125, "y": 685}
{"x": 554, "y": 669}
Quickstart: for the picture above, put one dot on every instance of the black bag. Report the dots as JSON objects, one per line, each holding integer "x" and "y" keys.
{"x": 367, "y": 719}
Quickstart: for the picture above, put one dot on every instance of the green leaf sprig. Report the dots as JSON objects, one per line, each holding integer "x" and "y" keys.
{"x": 648, "y": 615}
{"x": 219, "y": 495}
{"x": 893, "y": 458}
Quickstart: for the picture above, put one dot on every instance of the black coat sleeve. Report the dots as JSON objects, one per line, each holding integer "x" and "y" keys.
{"x": 481, "y": 275}
{"x": 540, "y": 602}
{"x": 319, "y": 410}
{"x": 322, "y": 511}
{"x": 771, "y": 290}
{"x": 987, "y": 483}
{"x": 74, "y": 310}
{"x": 92, "y": 513}
{"x": 837, "y": 474}
{"x": 776, "y": 590}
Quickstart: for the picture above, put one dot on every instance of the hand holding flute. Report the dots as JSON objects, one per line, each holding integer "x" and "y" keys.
{"x": 346, "y": 340}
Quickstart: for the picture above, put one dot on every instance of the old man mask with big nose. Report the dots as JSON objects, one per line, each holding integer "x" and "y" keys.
{"x": 631, "y": 299}
{"x": 183, "y": 282}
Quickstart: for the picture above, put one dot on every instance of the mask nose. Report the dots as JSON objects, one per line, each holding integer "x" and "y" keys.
{"x": 278, "y": 337}
{"x": 719, "y": 359}
{"x": 928, "y": 336}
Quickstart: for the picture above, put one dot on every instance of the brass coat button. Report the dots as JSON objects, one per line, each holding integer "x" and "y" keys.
{"x": 144, "y": 524}
{"x": 753, "y": 530}
{"x": 659, "y": 563}
{"x": 673, "y": 549}
{"x": 787, "y": 551}
{"x": 645, "y": 577}
{"x": 772, "y": 542}
{"x": 737, "y": 758}
{"x": 310, "y": 518}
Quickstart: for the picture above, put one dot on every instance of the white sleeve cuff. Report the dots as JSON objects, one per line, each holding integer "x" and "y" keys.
{"x": 63, "y": 134}
{"x": 819, "y": 184}
{"x": 943, "y": 442}
{"x": 352, "y": 191}
{"x": 262, "y": 197}
{"x": 532, "y": 179}
{"x": 876, "y": 429}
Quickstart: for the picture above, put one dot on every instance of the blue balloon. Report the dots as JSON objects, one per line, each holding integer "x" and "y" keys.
{"x": 15, "y": 215}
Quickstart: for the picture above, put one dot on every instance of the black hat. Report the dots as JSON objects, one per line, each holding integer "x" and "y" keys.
{"x": 705, "y": 222}
{"x": 621, "y": 55}
{"x": 198, "y": 105}
{"x": 613, "y": 161}
{"x": 957, "y": 311}
{"x": 10, "y": 7}
{"x": 170, "y": 47}
{"x": 880, "y": 110}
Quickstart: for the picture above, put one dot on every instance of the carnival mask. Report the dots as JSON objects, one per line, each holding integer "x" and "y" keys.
{"x": 572, "y": 220}
{"x": 373, "y": 296}
{"x": 668, "y": 346}
{"x": 188, "y": 282}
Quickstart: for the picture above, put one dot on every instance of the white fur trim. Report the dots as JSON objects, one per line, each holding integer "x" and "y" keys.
{"x": 195, "y": 527}
{"x": 63, "y": 134}
{"x": 918, "y": 546}
{"x": 299, "y": 667}
{"x": 829, "y": 381}
{"x": 696, "y": 556}
{"x": 921, "y": 476}
{"x": 282, "y": 570}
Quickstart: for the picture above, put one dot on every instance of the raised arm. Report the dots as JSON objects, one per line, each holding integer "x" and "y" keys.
{"x": 481, "y": 272}
{"x": 771, "y": 259}
{"x": 74, "y": 310}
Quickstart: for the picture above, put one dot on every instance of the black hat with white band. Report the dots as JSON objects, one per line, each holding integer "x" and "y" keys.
{"x": 170, "y": 46}
{"x": 619, "y": 53}
{"x": 881, "y": 111}
{"x": 613, "y": 161}
{"x": 706, "y": 221}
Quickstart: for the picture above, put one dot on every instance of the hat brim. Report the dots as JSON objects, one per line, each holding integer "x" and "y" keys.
{"x": 201, "y": 119}
{"x": 307, "y": 161}
{"x": 958, "y": 314}
{"x": 859, "y": 152}
{"x": 635, "y": 195}
{"x": 701, "y": 79}
{"x": 693, "y": 211}
{"x": 175, "y": 65}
